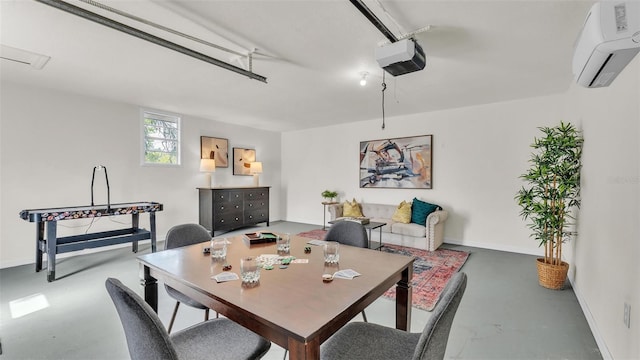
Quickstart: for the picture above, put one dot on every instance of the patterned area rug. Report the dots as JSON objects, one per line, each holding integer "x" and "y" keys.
{"x": 431, "y": 270}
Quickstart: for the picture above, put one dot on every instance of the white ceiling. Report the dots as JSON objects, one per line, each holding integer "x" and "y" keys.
{"x": 477, "y": 52}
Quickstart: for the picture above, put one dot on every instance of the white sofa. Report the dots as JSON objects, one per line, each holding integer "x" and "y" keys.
{"x": 427, "y": 236}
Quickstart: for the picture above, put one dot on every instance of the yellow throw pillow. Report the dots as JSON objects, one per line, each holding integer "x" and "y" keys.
{"x": 351, "y": 209}
{"x": 403, "y": 213}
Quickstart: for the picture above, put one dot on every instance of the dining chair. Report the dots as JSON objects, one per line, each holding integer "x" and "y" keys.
{"x": 359, "y": 341}
{"x": 178, "y": 236}
{"x": 211, "y": 339}
{"x": 349, "y": 233}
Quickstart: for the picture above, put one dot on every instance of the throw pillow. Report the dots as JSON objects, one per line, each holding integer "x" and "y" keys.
{"x": 420, "y": 210}
{"x": 351, "y": 209}
{"x": 403, "y": 213}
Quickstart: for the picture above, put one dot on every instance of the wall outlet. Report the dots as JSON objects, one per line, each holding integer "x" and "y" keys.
{"x": 627, "y": 315}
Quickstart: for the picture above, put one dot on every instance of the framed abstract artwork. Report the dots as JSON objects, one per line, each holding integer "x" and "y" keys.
{"x": 241, "y": 160}
{"x": 215, "y": 148}
{"x": 400, "y": 163}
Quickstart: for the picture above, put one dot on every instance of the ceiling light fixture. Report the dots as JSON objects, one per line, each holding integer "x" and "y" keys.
{"x": 363, "y": 78}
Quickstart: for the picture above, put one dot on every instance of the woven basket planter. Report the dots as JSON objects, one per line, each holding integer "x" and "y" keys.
{"x": 552, "y": 276}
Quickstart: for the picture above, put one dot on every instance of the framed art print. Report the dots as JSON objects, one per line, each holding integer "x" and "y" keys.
{"x": 241, "y": 160}
{"x": 215, "y": 148}
{"x": 400, "y": 163}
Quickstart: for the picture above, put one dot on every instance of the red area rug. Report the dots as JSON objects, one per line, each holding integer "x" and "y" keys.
{"x": 431, "y": 270}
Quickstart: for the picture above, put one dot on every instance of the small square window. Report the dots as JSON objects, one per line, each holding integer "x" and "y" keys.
{"x": 160, "y": 138}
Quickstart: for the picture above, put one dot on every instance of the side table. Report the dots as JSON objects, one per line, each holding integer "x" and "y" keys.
{"x": 324, "y": 212}
{"x": 369, "y": 226}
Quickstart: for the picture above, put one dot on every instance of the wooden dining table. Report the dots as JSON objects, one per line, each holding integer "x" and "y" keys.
{"x": 292, "y": 307}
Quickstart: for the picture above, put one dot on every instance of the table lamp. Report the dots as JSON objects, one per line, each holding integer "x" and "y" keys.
{"x": 208, "y": 166}
{"x": 256, "y": 168}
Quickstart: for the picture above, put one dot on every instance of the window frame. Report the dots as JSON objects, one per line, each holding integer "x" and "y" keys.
{"x": 161, "y": 116}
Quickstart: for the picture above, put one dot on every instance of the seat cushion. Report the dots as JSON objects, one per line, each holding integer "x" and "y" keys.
{"x": 368, "y": 341}
{"x": 225, "y": 340}
{"x": 409, "y": 229}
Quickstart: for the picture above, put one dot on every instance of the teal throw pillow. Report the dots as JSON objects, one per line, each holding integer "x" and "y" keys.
{"x": 420, "y": 210}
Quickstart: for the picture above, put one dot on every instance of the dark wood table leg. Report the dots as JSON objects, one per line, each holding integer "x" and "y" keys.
{"x": 152, "y": 224}
{"x": 301, "y": 350}
{"x": 39, "y": 242}
{"x": 52, "y": 242}
{"x": 150, "y": 286}
{"x": 135, "y": 225}
{"x": 403, "y": 299}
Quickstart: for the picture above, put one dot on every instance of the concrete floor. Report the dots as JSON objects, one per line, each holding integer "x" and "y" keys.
{"x": 504, "y": 314}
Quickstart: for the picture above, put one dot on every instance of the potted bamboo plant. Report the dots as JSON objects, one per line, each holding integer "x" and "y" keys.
{"x": 551, "y": 195}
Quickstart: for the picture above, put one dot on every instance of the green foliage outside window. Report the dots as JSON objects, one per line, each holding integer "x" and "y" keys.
{"x": 161, "y": 139}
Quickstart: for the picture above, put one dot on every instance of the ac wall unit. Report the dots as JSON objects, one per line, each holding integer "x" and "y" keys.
{"x": 608, "y": 41}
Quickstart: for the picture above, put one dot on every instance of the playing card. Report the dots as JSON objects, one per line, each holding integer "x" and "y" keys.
{"x": 225, "y": 276}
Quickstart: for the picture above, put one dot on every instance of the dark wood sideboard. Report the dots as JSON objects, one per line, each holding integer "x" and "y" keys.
{"x": 229, "y": 208}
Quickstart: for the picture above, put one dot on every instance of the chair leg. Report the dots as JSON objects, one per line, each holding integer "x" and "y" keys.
{"x": 173, "y": 317}
{"x": 364, "y": 316}
{"x": 206, "y": 314}
{"x": 285, "y": 355}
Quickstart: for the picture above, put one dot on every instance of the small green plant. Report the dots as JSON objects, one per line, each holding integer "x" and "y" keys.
{"x": 329, "y": 195}
{"x": 553, "y": 188}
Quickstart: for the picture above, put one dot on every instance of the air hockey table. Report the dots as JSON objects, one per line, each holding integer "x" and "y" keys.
{"x": 47, "y": 222}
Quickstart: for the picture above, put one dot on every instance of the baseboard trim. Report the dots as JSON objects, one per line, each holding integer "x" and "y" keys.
{"x": 490, "y": 246}
{"x": 602, "y": 345}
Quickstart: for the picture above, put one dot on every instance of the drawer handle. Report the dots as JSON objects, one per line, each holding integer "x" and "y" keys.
{"x": 222, "y": 220}
{"x": 237, "y": 206}
{"x": 250, "y": 195}
{"x": 250, "y": 205}
{"x": 236, "y": 219}
{"x": 221, "y": 207}
{"x": 251, "y": 217}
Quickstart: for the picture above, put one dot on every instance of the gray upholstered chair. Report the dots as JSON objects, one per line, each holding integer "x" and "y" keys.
{"x": 349, "y": 233}
{"x": 212, "y": 339}
{"x": 359, "y": 341}
{"x": 178, "y": 236}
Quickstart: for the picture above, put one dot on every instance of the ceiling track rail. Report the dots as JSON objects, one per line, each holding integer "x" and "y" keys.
{"x": 359, "y": 4}
{"x": 72, "y": 9}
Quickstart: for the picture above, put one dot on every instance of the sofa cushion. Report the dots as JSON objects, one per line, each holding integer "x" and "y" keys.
{"x": 351, "y": 209}
{"x": 420, "y": 210}
{"x": 411, "y": 229}
{"x": 385, "y": 228}
{"x": 403, "y": 213}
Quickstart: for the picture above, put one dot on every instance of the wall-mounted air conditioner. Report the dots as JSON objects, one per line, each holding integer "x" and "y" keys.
{"x": 608, "y": 41}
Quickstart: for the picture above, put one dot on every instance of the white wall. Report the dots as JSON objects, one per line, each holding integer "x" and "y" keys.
{"x": 479, "y": 152}
{"x": 50, "y": 142}
{"x": 607, "y": 270}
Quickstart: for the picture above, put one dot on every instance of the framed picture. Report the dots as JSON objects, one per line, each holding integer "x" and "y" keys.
{"x": 215, "y": 148}
{"x": 241, "y": 160}
{"x": 400, "y": 163}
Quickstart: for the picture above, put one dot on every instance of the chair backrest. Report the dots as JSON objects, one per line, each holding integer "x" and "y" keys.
{"x": 434, "y": 338}
{"x": 348, "y": 233}
{"x": 186, "y": 234}
{"x": 146, "y": 336}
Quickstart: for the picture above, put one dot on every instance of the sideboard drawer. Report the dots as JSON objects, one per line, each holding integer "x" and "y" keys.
{"x": 224, "y": 209}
